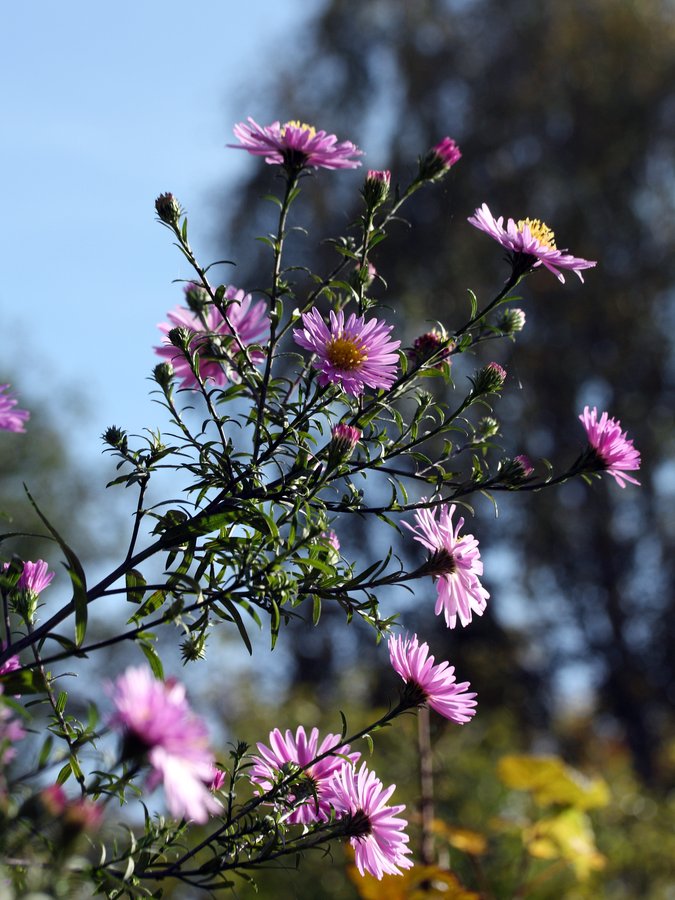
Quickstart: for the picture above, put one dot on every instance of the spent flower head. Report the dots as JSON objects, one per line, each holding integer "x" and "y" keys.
{"x": 612, "y": 450}
{"x": 511, "y": 321}
{"x": 530, "y": 243}
{"x": 429, "y": 683}
{"x": 432, "y": 343}
{"x": 310, "y": 795}
{"x": 353, "y": 353}
{"x": 168, "y": 209}
{"x": 11, "y": 418}
{"x": 158, "y": 725}
{"x": 296, "y": 146}
{"x": 375, "y": 830}
{"x": 455, "y": 563}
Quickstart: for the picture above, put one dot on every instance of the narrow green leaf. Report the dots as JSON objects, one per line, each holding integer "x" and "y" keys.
{"x": 135, "y": 586}
{"x": 76, "y": 573}
{"x": 153, "y": 658}
{"x": 275, "y": 621}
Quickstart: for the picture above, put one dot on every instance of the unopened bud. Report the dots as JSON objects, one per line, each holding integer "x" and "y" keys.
{"x": 168, "y": 209}
{"x": 439, "y": 160}
{"x": 196, "y": 297}
{"x": 433, "y": 343}
{"x": 344, "y": 440}
{"x": 487, "y": 428}
{"x": 180, "y": 338}
{"x": 193, "y": 648}
{"x": 515, "y": 470}
{"x": 511, "y": 321}
{"x": 376, "y": 188}
{"x": 489, "y": 379}
{"x": 116, "y": 437}
{"x": 163, "y": 374}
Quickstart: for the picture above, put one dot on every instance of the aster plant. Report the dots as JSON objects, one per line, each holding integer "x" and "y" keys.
{"x": 291, "y": 405}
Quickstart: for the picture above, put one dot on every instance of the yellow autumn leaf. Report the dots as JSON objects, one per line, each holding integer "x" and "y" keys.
{"x": 551, "y": 781}
{"x": 471, "y": 842}
{"x": 568, "y": 836}
{"x": 419, "y": 883}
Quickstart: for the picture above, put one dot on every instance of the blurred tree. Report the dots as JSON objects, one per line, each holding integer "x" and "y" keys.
{"x": 564, "y": 112}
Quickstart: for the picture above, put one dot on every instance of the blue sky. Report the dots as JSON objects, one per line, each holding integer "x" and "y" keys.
{"x": 105, "y": 107}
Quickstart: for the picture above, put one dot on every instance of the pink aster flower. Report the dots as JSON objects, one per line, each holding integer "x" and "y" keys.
{"x": 531, "y": 242}
{"x": 613, "y": 450}
{"x": 11, "y": 731}
{"x": 35, "y": 577}
{"x": 311, "y": 794}
{"x": 158, "y": 724}
{"x": 11, "y": 419}
{"x": 11, "y": 664}
{"x": 455, "y": 562}
{"x": 354, "y": 354}
{"x": 296, "y": 146}
{"x": 376, "y": 832}
{"x": 249, "y": 325}
{"x": 427, "y": 683}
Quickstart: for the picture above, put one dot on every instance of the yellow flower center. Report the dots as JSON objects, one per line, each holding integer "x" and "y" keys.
{"x": 539, "y": 231}
{"x": 301, "y": 126}
{"x": 344, "y": 353}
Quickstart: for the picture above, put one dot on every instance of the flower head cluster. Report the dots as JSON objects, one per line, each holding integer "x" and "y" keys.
{"x": 613, "y": 449}
{"x": 455, "y": 562}
{"x": 11, "y": 419}
{"x": 157, "y": 724}
{"x": 353, "y": 354}
{"x": 531, "y": 243}
{"x": 376, "y": 833}
{"x": 429, "y": 683}
{"x": 311, "y": 794}
{"x": 216, "y": 339}
{"x": 296, "y": 146}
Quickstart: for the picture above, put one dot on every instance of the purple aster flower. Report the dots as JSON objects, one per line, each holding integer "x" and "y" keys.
{"x": 249, "y": 325}
{"x": 613, "y": 450}
{"x": 311, "y": 794}
{"x": 376, "y": 833}
{"x": 354, "y": 354}
{"x": 427, "y": 683}
{"x": 531, "y": 243}
{"x": 158, "y": 724}
{"x": 455, "y": 562}
{"x": 11, "y": 419}
{"x": 296, "y": 146}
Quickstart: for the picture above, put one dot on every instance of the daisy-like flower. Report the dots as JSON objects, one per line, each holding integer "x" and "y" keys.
{"x": 455, "y": 562}
{"x": 11, "y": 419}
{"x": 296, "y": 146}
{"x": 375, "y": 831}
{"x": 157, "y": 724}
{"x": 612, "y": 448}
{"x": 531, "y": 243}
{"x": 249, "y": 325}
{"x": 429, "y": 683}
{"x": 311, "y": 795}
{"x": 354, "y": 354}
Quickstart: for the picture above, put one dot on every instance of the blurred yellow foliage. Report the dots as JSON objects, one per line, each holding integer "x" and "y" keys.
{"x": 550, "y": 782}
{"x": 568, "y": 836}
{"x": 420, "y": 883}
